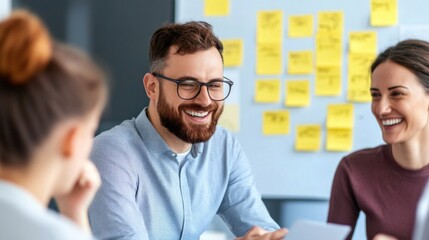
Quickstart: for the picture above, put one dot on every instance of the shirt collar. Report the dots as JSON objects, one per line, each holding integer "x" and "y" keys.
{"x": 17, "y": 195}
{"x": 154, "y": 141}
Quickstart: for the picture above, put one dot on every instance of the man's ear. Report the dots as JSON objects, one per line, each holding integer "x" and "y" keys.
{"x": 69, "y": 141}
{"x": 150, "y": 85}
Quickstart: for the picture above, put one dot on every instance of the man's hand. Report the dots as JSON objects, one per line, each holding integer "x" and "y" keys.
{"x": 257, "y": 233}
{"x": 384, "y": 237}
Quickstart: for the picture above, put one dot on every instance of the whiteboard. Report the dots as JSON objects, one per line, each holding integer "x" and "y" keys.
{"x": 279, "y": 170}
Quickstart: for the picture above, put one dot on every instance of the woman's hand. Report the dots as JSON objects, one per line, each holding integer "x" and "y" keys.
{"x": 75, "y": 204}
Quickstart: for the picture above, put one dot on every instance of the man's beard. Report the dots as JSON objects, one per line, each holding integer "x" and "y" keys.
{"x": 190, "y": 133}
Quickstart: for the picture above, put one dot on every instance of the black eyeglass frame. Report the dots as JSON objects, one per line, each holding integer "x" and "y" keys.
{"x": 207, "y": 84}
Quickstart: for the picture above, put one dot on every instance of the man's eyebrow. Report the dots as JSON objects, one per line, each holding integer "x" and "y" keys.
{"x": 196, "y": 79}
{"x": 187, "y": 78}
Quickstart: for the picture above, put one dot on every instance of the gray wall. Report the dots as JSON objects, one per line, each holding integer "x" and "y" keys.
{"x": 117, "y": 34}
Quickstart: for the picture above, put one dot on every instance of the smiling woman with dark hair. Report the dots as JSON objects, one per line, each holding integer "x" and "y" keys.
{"x": 386, "y": 182}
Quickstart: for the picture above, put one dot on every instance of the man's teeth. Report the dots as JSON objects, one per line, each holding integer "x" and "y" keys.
{"x": 390, "y": 122}
{"x": 197, "y": 114}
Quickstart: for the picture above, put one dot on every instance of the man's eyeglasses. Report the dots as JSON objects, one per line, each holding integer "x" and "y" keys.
{"x": 188, "y": 89}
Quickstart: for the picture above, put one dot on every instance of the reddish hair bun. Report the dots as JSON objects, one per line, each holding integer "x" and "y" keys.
{"x": 25, "y": 47}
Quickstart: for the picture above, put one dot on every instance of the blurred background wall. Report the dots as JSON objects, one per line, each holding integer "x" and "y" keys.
{"x": 116, "y": 34}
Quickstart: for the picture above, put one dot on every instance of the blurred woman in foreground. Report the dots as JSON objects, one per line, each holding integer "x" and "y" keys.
{"x": 51, "y": 98}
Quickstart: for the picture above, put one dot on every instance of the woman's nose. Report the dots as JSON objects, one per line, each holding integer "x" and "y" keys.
{"x": 383, "y": 107}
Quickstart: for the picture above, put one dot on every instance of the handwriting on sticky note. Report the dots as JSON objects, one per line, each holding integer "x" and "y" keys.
{"x": 363, "y": 42}
{"x": 300, "y": 26}
{"x": 300, "y": 62}
{"x": 384, "y": 12}
{"x": 339, "y": 139}
{"x": 232, "y": 52}
{"x": 331, "y": 22}
{"x": 269, "y": 26}
{"x": 361, "y": 61}
{"x": 358, "y": 95}
{"x": 308, "y": 137}
{"x": 328, "y": 49}
{"x": 327, "y": 42}
{"x": 267, "y": 91}
{"x": 359, "y": 78}
{"x": 340, "y": 116}
{"x": 268, "y": 58}
{"x": 359, "y": 70}
{"x": 276, "y": 122}
{"x": 328, "y": 81}
{"x": 297, "y": 93}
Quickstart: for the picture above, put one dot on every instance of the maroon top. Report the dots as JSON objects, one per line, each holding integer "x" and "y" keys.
{"x": 370, "y": 180}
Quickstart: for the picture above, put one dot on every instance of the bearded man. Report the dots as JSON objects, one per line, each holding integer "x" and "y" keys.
{"x": 169, "y": 171}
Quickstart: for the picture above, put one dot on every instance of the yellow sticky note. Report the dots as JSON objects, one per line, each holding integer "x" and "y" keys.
{"x": 361, "y": 62}
{"x": 340, "y": 116}
{"x": 232, "y": 52}
{"x": 216, "y": 7}
{"x": 330, "y": 22}
{"x": 230, "y": 118}
{"x": 297, "y": 93}
{"x": 269, "y": 59}
{"x": 267, "y": 91}
{"x": 308, "y": 137}
{"x": 357, "y": 94}
{"x": 339, "y": 139}
{"x": 300, "y": 26}
{"x": 359, "y": 77}
{"x": 328, "y": 81}
{"x": 363, "y": 42}
{"x": 270, "y": 26}
{"x": 384, "y": 12}
{"x": 329, "y": 50}
{"x": 300, "y": 62}
{"x": 276, "y": 122}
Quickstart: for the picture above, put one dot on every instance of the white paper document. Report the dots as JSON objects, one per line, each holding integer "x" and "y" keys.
{"x": 311, "y": 230}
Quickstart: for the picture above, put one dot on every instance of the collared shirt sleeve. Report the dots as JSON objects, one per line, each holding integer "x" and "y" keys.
{"x": 114, "y": 213}
{"x": 242, "y": 206}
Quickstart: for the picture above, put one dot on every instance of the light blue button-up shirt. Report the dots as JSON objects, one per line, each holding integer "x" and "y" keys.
{"x": 147, "y": 194}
